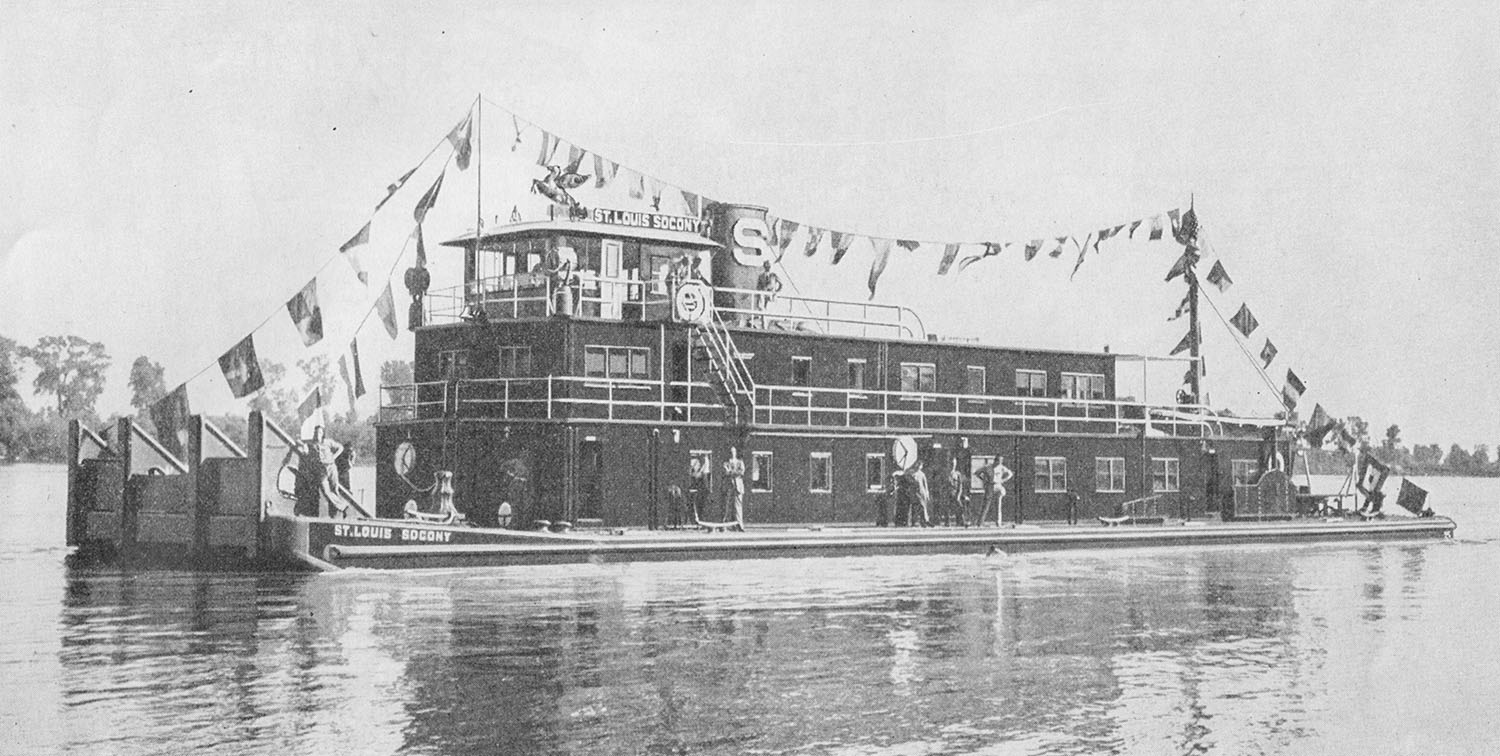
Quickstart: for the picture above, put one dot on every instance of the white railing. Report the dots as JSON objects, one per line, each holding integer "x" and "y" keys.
{"x": 413, "y": 401}
{"x": 615, "y": 399}
{"x": 535, "y": 295}
{"x": 832, "y": 316}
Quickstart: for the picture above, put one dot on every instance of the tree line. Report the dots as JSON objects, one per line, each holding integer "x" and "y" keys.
{"x": 1423, "y": 459}
{"x": 70, "y": 372}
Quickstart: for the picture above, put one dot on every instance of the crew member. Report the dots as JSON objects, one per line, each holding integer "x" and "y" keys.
{"x": 885, "y": 505}
{"x": 994, "y": 477}
{"x": 676, "y": 507}
{"x": 734, "y": 492}
{"x": 920, "y": 498}
{"x": 343, "y": 463}
{"x": 700, "y": 479}
{"x": 958, "y": 494}
{"x": 317, "y": 468}
{"x": 769, "y": 285}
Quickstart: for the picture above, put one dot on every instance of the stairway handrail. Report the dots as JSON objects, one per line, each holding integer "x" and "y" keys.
{"x": 745, "y": 382}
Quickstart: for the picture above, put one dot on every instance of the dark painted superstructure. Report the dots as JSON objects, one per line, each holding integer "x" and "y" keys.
{"x": 561, "y": 381}
{"x": 562, "y": 390}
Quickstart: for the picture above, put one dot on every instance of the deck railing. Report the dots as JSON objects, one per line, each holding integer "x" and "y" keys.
{"x": 832, "y": 316}
{"x": 584, "y": 398}
{"x": 413, "y": 401}
{"x": 535, "y": 295}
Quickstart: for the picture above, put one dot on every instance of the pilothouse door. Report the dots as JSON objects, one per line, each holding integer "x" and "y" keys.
{"x": 610, "y": 289}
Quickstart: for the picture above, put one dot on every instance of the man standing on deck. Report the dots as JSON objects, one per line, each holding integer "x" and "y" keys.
{"x": 734, "y": 492}
{"x": 994, "y": 477}
{"x": 317, "y": 467}
{"x": 958, "y": 493}
{"x": 941, "y": 506}
{"x": 699, "y": 480}
{"x": 920, "y": 498}
{"x": 769, "y": 285}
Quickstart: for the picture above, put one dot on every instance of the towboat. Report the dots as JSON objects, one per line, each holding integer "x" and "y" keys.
{"x": 612, "y": 385}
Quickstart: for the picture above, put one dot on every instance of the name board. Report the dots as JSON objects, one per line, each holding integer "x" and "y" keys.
{"x": 657, "y": 221}
{"x": 384, "y": 533}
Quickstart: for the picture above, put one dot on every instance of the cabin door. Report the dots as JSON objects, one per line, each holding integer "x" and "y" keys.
{"x": 611, "y": 290}
{"x": 1244, "y": 474}
{"x": 590, "y": 480}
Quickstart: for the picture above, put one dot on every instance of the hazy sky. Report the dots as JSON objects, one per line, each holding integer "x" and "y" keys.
{"x": 176, "y": 171}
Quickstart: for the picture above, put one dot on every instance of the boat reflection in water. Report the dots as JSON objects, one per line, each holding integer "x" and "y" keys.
{"x": 1238, "y": 649}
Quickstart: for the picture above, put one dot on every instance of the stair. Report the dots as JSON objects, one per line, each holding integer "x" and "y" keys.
{"x": 728, "y": 373}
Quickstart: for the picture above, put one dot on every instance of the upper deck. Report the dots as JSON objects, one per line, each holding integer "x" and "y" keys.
{"x": 610, "y": 271}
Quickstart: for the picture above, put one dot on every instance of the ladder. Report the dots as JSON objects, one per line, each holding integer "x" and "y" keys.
{"x": 729, "y": 375}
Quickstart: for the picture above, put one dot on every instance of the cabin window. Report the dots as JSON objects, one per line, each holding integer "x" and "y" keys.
{"x": 875, "y": 475}
{"x": 617, "y": 362}
{"x": 513, "y": 361}
{"x": 974, "y": 380}
{"x": 587, "y": 249}
{"x": 1083, "y": 385}
{"x": 1051, "y": 474}
{"x": 977, "y": 461}
{"x": 1244, "y": 472}
{"x": 801, "y": 371}
{"x": 918, "y": 377}
{"x": 820, "y": 472}
{"x": 857, "y": 374}
{"x": 760, "y": 471}
{"x": 659, "y": 261}
{"x": 1166, "y": 475}
{"x": 1109, "y": 474}
{"x": 454, "y": 364}
{"x": 1031, "y": 383}
{"x": 507, "y": 259}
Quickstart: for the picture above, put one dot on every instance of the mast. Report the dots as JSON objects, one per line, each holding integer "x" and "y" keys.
{"x": 471, "y": 266}
{"x": 1194, "y": 385}
{"x": 1187, "y": 233}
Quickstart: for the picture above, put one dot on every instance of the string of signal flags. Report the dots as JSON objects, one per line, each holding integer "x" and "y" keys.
{"x": 565, "y": 164}
{"x": 1185, "y": 231}
{"x": 241, "y": 364}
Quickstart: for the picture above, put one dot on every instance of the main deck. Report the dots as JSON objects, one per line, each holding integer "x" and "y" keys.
{"x": 326, "y": 544}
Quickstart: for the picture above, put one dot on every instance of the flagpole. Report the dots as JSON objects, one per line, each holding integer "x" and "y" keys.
{"x": 1191, "y": 274}
{"x": 1193, "y": 348}
{"x": 473, "y": 265}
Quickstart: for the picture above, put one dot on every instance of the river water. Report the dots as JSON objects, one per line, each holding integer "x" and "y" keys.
{"x": 1317, "y": 649}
